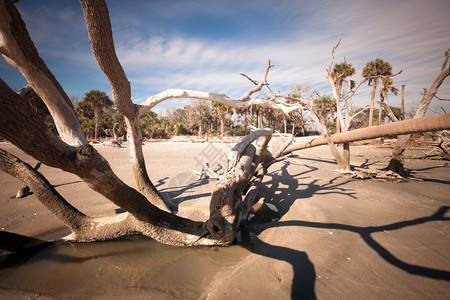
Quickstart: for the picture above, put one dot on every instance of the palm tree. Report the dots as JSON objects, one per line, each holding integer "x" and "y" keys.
{"x": 339, "y": 74}
{"x": 373, "y": 71}
{"x": 244, "y": 112}
{"x": 93, "y": 105}
{"x": 324, "y": 107}
{"x": 388, "y": 86}
{"x": 220, "y": 111}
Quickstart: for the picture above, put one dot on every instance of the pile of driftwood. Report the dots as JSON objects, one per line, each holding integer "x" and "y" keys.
{"x": 375, "y": 174}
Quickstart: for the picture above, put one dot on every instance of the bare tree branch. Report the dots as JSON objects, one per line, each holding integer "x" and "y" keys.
{"x": 442, "y": 99}
{"x": 446, "y": 59}
{"x": 100, "y": 36}
{"x": 332, "y": 56}
{"x": 18, "y": 50}
{"x": 252, "y": 80}
{"x": 388, "y": 110}
{"x": 359, "y": 112}
{"x": 43, "y": 190}
{"x": 101, "y": 39}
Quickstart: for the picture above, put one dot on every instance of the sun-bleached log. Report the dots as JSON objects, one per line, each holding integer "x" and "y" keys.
{"x": 241, "y": 102}
{"x": 433, "y": 123}
{"x": 190, "y": 94}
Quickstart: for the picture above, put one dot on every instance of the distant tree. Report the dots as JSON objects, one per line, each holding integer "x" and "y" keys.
{"x": 341, "y": 72}
{"x": 387, "y": 86}
{"x": 231, "y": 199}
{"x": 245, "y": 113}
{"x": 324, "y": 108}
{"x": 112, "y": 124}
{"x": 154, "y": 126}
{"x": 221, "y": 111}
{"x": 200, "y": 114}
{"x": 339, "y": 75}
{"x": 373, "y": 71}
{"x": 93, "y": 105}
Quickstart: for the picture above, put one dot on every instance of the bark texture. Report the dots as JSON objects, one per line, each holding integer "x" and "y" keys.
{"x": 101, "y": 39}
{"x": 232, "y": 197}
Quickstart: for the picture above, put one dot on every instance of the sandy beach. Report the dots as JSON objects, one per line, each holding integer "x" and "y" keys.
{"x": 336, "y": 238}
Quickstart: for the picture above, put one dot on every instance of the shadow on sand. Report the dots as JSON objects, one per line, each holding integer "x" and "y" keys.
{"x": 304, "y": 271}
{"x": 296, "y": 187}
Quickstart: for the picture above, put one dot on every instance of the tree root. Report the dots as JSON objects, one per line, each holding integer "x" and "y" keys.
{"x": 397, "y": 167}
{"x": 374, "y": 174}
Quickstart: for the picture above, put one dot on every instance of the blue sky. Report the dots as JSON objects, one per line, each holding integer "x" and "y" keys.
{"x": 203, "y": 45}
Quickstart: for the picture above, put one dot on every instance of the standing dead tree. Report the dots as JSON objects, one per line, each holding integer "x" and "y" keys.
{"x": 337, "y": 75}
{"x": 397, "y": 157}
{"x": 70, "y": 151}
{"x": 336, "y": 78}
{"x": 146, "y": 212}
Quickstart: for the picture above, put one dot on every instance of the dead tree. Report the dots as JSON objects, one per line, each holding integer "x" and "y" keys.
{"x": 397, "y": 157}
{"x": 442, "y": 150}
{"x": 146, "y": 212}
{"x": 71, "y": 152}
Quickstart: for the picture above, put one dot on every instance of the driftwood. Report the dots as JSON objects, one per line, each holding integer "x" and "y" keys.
{"x": 441, "y": 151}
{"x": 375, "y": 175}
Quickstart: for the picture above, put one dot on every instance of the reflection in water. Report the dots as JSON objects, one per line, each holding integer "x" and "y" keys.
{"x": 134, "y": 266}
{"x": 117, "y": 268}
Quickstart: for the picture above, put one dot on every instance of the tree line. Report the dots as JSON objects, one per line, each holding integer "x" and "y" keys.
{"x": 101, "y": 120}
{"x": 147, "y": 212}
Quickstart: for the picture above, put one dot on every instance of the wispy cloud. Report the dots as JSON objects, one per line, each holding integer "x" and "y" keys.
{"x": 170, "y": 45}
{"x": 396, "y": 32}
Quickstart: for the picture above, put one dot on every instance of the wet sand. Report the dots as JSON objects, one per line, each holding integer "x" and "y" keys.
{"x": 336, "y": 238}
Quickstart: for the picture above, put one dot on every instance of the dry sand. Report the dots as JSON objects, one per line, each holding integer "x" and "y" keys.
{"x": 336, "y": 239}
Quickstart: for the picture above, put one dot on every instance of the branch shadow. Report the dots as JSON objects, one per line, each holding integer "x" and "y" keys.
{"x": 161, "y": 181}
{"x": 289, "y": 189}
{"x": 179, "y": 185}
{"x": 303, "y": 282}
{"x": 67, "y": 183}
{"x": 366, "y": 232}
{"x": 430, "y": 168}
{"x": 415, "y": 174}
{"x": 284, "y": 197}
{"x": 367, "y": 163}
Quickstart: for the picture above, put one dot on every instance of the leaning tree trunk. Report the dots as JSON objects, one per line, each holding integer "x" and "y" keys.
{"x": 396, "y": 163}
{"x": 380, "y": 112}
{"x": 20, "y": 125}
{"x": 228, "y": 202}
{"x": 101, "y": 39}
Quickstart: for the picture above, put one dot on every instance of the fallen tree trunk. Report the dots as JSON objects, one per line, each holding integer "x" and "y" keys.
{"x": 433, "y": 123}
